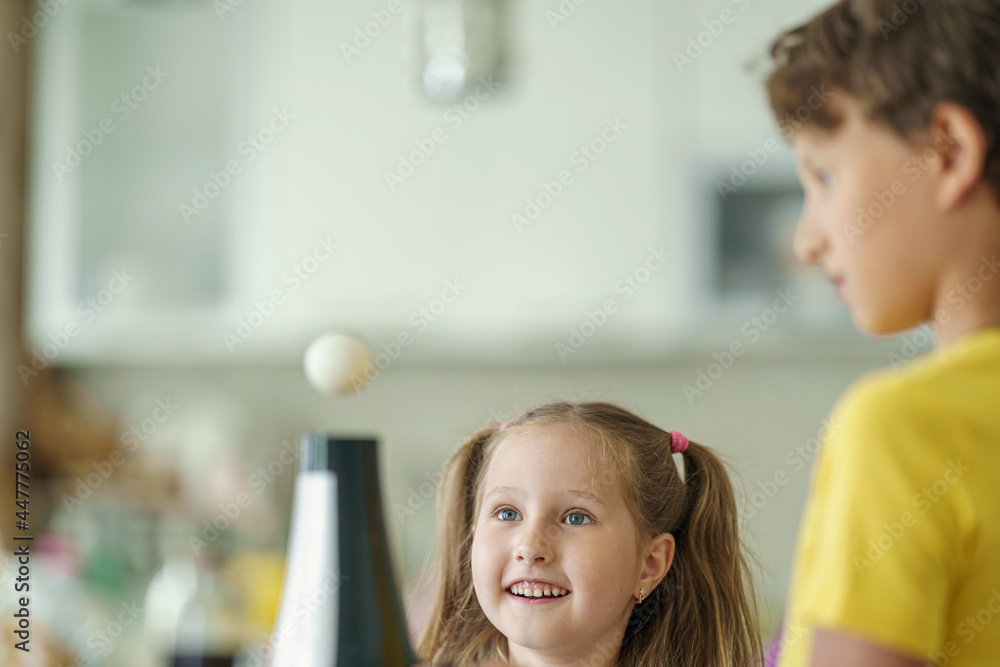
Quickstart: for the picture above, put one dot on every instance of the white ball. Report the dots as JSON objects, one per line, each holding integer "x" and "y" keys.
{"x": 338, "y": 363}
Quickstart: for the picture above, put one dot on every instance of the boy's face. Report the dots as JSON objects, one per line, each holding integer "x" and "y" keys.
{"x": 869, "y": 219}
{"x": 551, "y": 520}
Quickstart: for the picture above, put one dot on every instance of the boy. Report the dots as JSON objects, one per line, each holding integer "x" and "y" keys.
{"x": 898, "y": 556}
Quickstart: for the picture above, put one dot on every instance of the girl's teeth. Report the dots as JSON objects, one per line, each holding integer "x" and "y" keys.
{"x": 528, "y": 591}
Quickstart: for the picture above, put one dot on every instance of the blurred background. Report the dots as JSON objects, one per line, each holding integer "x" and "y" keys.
{"x": 512, "y": 201}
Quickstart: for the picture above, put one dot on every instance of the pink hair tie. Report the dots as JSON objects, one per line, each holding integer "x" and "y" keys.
{"x": 506, "y": 424}
{"x": 678, "y": 442}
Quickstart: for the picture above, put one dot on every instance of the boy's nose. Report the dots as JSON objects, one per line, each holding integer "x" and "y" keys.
{"x": 809, "y": 243}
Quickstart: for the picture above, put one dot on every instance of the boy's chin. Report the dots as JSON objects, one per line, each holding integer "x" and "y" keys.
{"x": 879, "y": 326}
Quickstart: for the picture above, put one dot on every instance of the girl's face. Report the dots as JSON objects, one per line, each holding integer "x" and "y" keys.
{"x": 554, "y": 556}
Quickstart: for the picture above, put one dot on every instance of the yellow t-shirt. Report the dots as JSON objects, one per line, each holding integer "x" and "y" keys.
{"x": 900, "y": 540}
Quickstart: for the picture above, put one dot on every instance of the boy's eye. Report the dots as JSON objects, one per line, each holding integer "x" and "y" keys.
{"x": 507, "y": 514}
{"x": 577, "y": 519}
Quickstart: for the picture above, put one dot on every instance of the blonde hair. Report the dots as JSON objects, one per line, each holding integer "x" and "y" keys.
{"x": 703, "y": 613}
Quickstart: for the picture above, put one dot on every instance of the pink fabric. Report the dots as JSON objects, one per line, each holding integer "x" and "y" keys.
{"x": 678, "y": 442}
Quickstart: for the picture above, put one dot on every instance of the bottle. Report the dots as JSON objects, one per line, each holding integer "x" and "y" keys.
{"x": 339, "y": 606}
{"x": 207, "y": 629}
{"x": 190, "y": 613}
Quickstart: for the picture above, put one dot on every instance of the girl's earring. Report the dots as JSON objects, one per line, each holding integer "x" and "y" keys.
{"x": 642, "y": 595}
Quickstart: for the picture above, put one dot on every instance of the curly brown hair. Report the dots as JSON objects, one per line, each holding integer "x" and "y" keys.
{"x": 897, "y": 59}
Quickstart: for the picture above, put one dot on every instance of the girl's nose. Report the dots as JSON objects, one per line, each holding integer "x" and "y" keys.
{"x": 809, "y": 242}
{"x": 535, "y": 546}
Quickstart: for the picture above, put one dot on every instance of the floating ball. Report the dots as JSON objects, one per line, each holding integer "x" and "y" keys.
{"x": 338, "y": 363}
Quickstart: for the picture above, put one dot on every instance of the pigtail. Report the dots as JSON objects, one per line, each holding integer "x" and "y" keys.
{"x": 458, "y": 632}
{"x": 704, "y": 612}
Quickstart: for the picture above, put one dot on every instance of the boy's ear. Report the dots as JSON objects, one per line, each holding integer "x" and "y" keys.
{"x": 961, "y": 147}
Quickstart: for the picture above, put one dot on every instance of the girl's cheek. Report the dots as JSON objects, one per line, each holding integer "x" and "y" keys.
{"x": 483, "y": 546}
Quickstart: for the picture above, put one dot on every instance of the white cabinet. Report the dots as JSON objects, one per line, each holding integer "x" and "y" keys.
{"x": 283, "y": 177}
{"x": 141, "y": 238}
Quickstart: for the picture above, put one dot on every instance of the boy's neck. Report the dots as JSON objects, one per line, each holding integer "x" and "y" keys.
{"x": 968, "y": 296}
{"x": 946, "y": 338}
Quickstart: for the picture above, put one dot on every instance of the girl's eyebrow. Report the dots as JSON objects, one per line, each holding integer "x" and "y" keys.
{"x": 577, "y": 493}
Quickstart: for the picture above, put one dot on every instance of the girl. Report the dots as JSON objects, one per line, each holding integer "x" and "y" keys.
{"x": 567, "y": 536}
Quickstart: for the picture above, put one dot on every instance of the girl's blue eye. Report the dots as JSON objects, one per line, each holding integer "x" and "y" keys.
{"x": 578, "y": 519}
{"x": 824, "y": 176}
{"x": 507, "y": 514}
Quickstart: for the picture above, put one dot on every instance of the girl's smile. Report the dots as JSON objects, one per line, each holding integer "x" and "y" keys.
{"x": 532, "y": 589}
